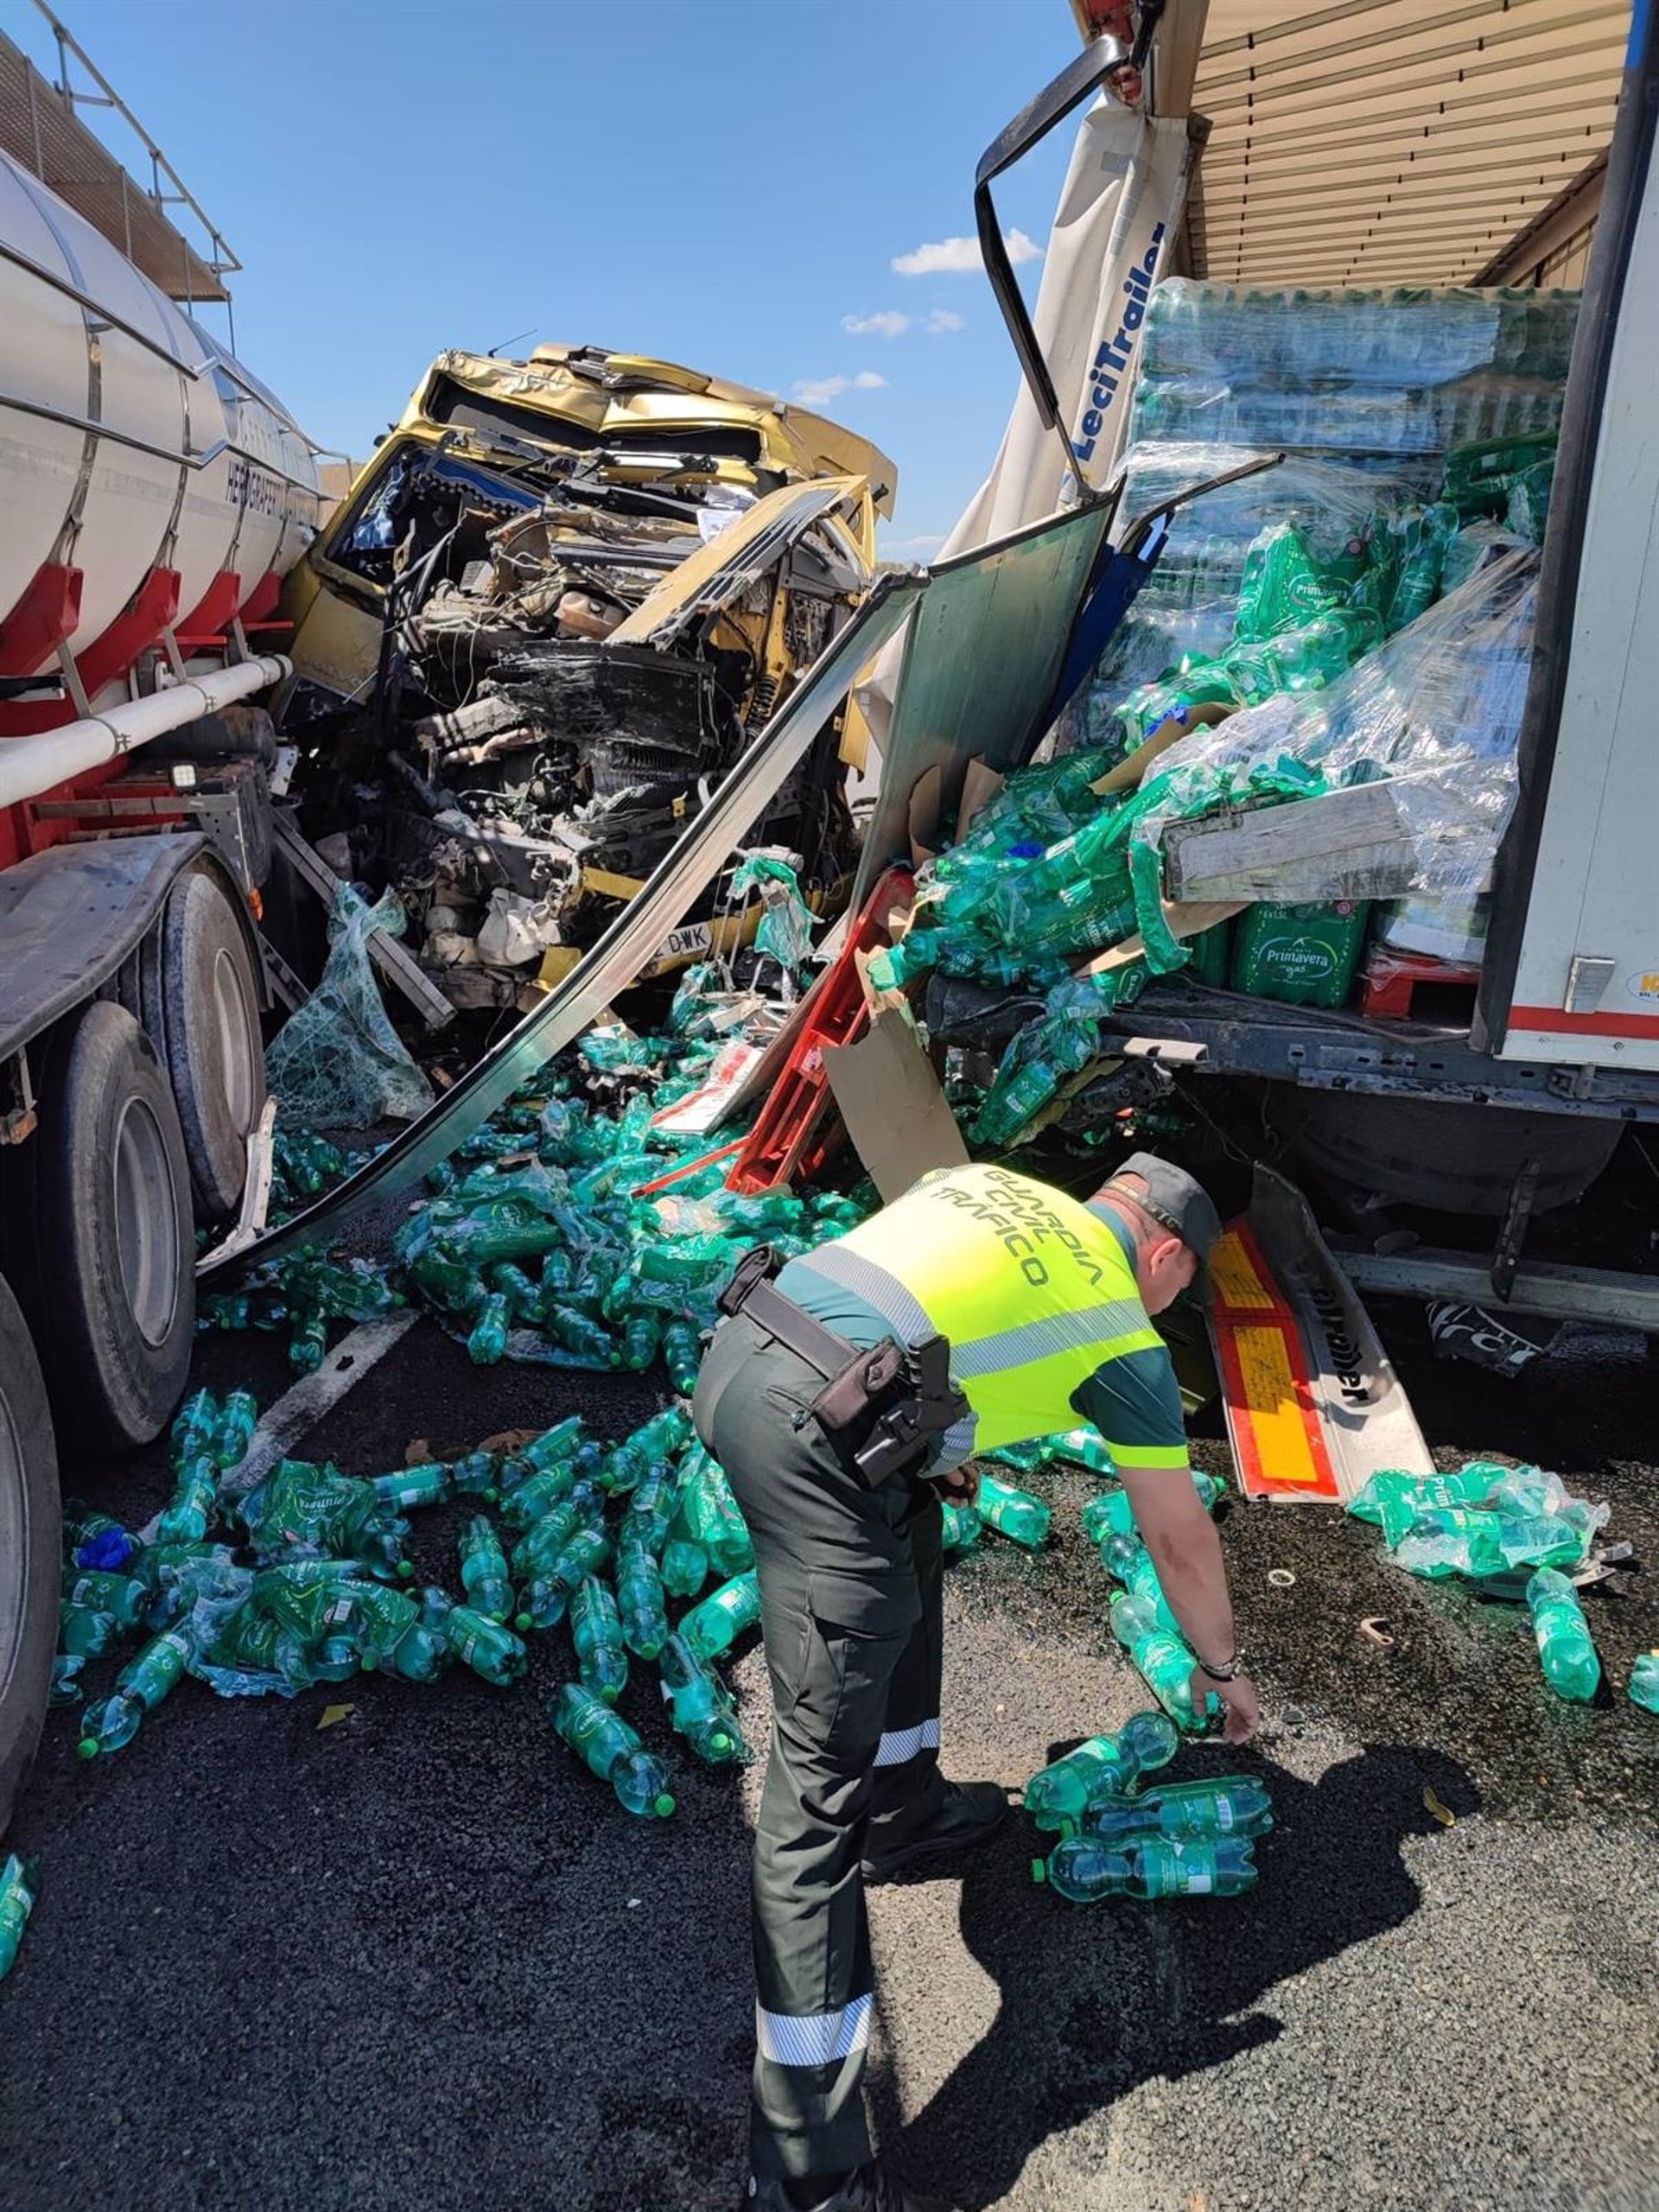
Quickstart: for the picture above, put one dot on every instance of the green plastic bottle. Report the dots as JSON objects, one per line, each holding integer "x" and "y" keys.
{"x": 639, "y": 1598}
{"x": 557, "y": 1446}
{"x": 86, "y": 1633}
{"x": 609, "y": 1749}
{"x": 664, "y": 1435}
{"x": 314, "y": 1597}
{"x": 700, "y": 1705}
{"x": 1013, "y": 1512}
{"x": 139, "y": 1688}
{"x": 476, "y": 1475}
{"x": 584, "y": 1339}
{"x": 1227, "y": 1804}
{"x": 431, "y": 1483}
{"x": 484, "y": 1569}
{"x": 685, "y": 1567}
{"x": 690, "y": 1260}
{"x": 546, "y": 1597}
{"x": 193, "y": 1506}
{"x": 1084, "y": 1869}
{"x": 555, "y": 1486}
{"x": 653, "y": 1508}
{"x": 1105, "y": 1767}
{"x": 236, "y": 1428}
{"x": 486, "y": 1342}
{"x": 1644, "y": 1682}
{"x": 711, "y": 1516}
{"x": 123, "y": 1595}
{"x": 540, "y": 1546}
{"x": 389, "y": 1632}
{"x": 1126, "y": 1559}
{"x": 1162, "y": 1661}
{"x": 725, "y": 1614}
{"x": 682, "y": 1355}
{"x": 960, "y": 1527}
{"x": 20, "y": 1882}
{"x": 1566, "y": 1650}
{"x": 642, "y": 1339}
{"x": 195, "y": 1427}
{"x": 483, "y": 1645}
{"x": 522, "y": 1296}
{"x": 1451, "y": 1539}
{"x": 308, "y": 1344}
{"x": 597, "y": 1633}
{"x": 1086, "y": 1447}
{"x": 1402, "y": 1496}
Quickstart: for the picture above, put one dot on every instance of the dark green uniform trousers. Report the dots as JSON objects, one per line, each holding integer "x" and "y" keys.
{"x": 851, "y": 1611}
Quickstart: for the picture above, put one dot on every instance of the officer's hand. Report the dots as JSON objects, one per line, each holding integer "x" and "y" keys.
{"x": 961, "y": 1486}
{"x": 1241, "y": 1715}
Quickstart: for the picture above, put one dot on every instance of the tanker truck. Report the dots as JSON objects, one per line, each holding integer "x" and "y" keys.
{"x": 154, "y": 495}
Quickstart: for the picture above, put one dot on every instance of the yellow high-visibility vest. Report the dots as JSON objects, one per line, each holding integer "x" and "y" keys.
{"x": 1032, "y": 1288}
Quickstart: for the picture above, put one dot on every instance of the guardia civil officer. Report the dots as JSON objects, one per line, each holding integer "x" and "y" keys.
{"x": 842, "y": 1398}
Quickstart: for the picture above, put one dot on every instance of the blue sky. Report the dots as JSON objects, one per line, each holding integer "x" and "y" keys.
{"x": 723, "y": 183}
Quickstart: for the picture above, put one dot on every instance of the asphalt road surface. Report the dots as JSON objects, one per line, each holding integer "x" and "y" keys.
{"x": 418, "y": 1958}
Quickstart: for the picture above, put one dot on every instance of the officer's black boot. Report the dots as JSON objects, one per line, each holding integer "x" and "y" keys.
{"x": 963, "y": 1814}
{"x": 871, "y": 2189}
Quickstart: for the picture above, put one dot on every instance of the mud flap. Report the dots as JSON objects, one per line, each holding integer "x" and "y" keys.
{"x": 1313, "y": 1406}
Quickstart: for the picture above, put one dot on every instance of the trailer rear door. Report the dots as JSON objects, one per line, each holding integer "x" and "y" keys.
{"x": 1572, "y": 966}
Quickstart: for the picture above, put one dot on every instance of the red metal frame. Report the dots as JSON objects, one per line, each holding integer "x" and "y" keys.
{"x": 152, "y": 608}
{"x": 47, "y": 612}
{"x": 795, "y": 1130}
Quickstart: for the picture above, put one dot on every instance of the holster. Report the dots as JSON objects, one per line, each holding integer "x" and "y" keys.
{"x": 885, "y": 1405}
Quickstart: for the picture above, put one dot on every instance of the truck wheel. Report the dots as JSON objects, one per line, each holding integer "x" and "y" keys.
{"x": 28, "y": 1551}
{"x": 95, "y": 1215}
{"x": 1448, "y": 1155}
{"x": 191, "y": 984}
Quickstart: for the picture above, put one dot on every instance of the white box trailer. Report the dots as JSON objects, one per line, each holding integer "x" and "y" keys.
{"x": 1387, "y": 145}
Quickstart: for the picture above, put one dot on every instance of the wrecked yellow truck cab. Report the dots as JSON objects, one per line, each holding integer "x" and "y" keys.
{"x": 540, "y": 628}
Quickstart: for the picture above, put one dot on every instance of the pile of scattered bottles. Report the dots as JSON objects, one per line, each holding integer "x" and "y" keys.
{"x": 1513, "y": 1533}
{"x": 296, "y": 1579}
{"x": 570, "y": 1229}
{"x": 1116, "y": 1839}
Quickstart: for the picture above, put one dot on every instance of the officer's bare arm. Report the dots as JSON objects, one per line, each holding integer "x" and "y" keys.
{"x": 1186, "y": 1552}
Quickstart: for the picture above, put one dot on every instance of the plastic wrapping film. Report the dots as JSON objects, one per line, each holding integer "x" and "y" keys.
{"x": 337, "y": 1063}
{"x": 1188, "y": 603}
{"x": 1394, "y": 338}
{"x": 1435, "y": 711}
{"x": 1364, "y": 390}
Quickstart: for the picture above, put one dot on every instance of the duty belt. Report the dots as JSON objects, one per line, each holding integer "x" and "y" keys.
{"x": 900, "y": 1396}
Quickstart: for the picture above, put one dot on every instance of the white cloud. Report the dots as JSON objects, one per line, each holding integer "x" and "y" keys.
{"x": 889, "y": 323}
{"x": 918, "y": 549}
{"x": 946, "y": 256}
{"x": 815, "y": 391}
{"x": 944, "y": 319}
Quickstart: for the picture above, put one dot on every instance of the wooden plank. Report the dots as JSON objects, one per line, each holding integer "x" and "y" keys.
{"x": 403, "y": 974}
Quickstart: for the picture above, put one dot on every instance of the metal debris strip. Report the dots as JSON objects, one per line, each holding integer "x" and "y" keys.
{"x": 632, "y": 940}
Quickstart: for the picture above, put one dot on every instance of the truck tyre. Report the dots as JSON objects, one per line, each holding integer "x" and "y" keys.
{"x": 29, "y": 1544}
{"x": 1451, "y": 1156}
{"x": 192, "y": 985}
{"x": 95, "y": 1216}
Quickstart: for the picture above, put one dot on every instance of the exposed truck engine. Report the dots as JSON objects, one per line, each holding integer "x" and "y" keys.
{"x": 549, "y": 615}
